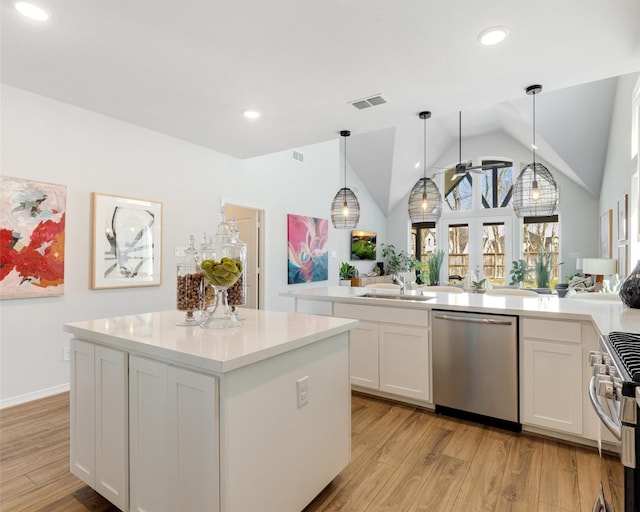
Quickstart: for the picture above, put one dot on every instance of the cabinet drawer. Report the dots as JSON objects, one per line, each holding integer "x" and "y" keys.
{"x": 387, "y": 315}
{"x": 555, "y": 330}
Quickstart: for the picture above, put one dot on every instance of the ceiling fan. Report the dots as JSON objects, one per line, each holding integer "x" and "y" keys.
{"x": 462, "y": 168}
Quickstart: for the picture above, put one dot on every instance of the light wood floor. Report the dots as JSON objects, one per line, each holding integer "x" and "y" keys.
{"x": 404, "y": 459}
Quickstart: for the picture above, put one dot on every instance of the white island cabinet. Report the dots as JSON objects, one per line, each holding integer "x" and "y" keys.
{"x": 171, "y": 418}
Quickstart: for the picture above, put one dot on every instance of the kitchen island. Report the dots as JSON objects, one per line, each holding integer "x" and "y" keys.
{"x": 184, "y": 418}
{"x": 391, "y": 348}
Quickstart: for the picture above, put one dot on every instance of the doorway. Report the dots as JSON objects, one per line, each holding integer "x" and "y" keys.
{"x": 250, "y": 222}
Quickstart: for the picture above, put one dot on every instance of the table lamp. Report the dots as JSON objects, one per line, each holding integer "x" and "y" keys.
{"x": 599, "y": 267}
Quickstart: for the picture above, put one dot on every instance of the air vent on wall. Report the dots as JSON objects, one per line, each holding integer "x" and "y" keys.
{"x": 298, "y": 156}
{"x": 372, "y": 101}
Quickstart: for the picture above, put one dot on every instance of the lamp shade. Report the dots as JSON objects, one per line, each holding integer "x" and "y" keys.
{"x": 425, "y": 202}
{"x": 535, "y": 193}
{"x": 599, "y": 266}
{"x": 345, "y": 209}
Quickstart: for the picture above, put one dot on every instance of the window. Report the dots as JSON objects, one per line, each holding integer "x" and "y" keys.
{"x": 493, "y": 252}
{"x": 458, "y": 191}
{"x": 458, "y": 262}
{"x": 541, "y": 233}
{"x": 423, "y": 238}
{"x": 497, "y": 185}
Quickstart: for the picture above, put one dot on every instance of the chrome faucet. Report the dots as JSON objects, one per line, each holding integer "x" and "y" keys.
{"x": 400, "y": 281}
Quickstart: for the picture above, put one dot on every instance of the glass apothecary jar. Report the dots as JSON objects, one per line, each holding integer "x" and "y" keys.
{"x": 189, "y": 281}
{"x": 223, "y": 267}
{"x": 237, "y": 293}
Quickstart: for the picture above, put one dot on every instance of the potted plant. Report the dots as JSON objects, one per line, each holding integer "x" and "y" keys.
{"x": 396, "y": 261}
{"x": 519, "y": 272}
{"x": 542, "y": 269}
{"x": 478, "y": 286}
{"x": 434, "y": 263}
{"x": 347, "y": 271}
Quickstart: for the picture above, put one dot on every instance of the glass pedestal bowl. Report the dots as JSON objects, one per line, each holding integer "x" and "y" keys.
{"x": 222, "y": 275}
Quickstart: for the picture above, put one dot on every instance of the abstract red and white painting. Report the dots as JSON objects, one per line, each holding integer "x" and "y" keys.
{"x": 32, "y": 223}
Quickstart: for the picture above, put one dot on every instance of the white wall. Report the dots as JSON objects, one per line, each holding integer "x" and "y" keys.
{"x": 621, "y": 163}
{"x": 46, "y": 140}
{"x": 577, "y": 208}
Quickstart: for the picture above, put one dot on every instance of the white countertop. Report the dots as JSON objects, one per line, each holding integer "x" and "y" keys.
{"x": 263, "y": 334}
{"x": 606, "y": 315}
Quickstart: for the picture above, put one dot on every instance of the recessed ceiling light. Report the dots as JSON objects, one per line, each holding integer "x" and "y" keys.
{"x": 33, "y": 11}
{"x": 251, "y": 114}
{"x": 493, "y": 35}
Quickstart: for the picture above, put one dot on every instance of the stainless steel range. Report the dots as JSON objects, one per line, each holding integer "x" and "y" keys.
{"x": 614, "y": 391}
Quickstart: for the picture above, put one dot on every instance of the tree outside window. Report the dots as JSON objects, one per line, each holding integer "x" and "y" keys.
{"x": 542, "y": 233}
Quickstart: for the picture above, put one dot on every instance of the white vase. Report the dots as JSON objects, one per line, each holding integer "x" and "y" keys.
{"x": 469, "y": 278}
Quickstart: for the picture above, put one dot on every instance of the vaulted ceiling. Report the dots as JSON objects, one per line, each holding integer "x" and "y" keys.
{"x": 188, "y": 68}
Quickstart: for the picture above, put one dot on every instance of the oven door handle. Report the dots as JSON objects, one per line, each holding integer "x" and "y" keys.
{"x": 614, "y": 427}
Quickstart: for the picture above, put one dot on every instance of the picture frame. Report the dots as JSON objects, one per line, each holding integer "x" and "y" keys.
{"x": 606, "y": 227}
{"x": 307, "y": 248}
{"x": 622, "y": 217}
{"x": 622, "y": 261}
{"x": 32, "y": 226}
{"x": 126, "y": 242}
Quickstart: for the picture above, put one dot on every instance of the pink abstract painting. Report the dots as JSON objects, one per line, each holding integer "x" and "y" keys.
{"x": 32, "y": 219}
{"x": 308, "y": 258}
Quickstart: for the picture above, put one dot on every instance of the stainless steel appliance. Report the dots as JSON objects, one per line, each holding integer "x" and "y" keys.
{"x": 475, "y": 367}
{"x": 614, "y": 391}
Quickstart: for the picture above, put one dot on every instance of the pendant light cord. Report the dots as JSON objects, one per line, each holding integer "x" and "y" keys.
{"x": 345, "y": 168}
{"x": 425, "y": 150}
{"x": 534, "y": 130}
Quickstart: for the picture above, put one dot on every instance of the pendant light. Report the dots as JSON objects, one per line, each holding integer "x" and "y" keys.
{"x": 535, "y": 193}
{"x": 425, "y": 201}
{"x": 345, "y": 209}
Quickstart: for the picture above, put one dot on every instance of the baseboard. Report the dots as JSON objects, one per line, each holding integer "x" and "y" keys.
{"x": 28, "y": 397}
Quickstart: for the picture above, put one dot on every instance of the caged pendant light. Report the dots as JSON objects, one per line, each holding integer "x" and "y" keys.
{"x": 535, "y": 193}
{"x": 345, "y": 209}
{"x": 425, "y": 201}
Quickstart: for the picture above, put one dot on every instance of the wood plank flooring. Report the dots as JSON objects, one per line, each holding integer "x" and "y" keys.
{"x": 404, "y": 459}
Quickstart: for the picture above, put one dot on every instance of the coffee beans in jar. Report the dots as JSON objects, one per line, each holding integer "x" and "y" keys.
{"x": 236, "y": 293}
{"x": 189, "y": 291}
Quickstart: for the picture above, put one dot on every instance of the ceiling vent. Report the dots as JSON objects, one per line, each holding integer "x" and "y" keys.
{"x": 372, "y": 101}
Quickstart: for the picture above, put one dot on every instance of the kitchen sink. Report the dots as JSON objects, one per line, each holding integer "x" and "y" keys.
{"x": 397, "y": 296}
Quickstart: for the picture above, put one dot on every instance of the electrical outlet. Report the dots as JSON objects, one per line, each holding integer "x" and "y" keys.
{"x": 302, "y": 387}
{"x": 66, "y": 354}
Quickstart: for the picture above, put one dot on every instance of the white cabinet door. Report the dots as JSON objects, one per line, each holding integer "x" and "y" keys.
{"x": 404, "y": 361}
{"x": 99, "y": 420}
{"x": 174, "y": 438}
{"x": 194, "y": 440}
{"x": 148, "y": 435}
{"x": 363, "y": 355}
{"x": 82, "y": 411}
{"x": 552, "y": 385}
{"x": 112, "y": 429}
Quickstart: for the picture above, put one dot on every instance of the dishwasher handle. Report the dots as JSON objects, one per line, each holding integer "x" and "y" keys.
{"x": 488, "y": 321}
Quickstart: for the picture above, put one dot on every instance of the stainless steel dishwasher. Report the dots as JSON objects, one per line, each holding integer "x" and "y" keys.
{"x": 475, "y": 367}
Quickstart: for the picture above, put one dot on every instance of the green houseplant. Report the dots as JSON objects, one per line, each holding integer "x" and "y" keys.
{"x": 543, "y": 267}
{"x": 519, "y": 272}
{"x": 434, "y": 264}
{"x": 396, "y": 261}
{"x": 478, "y": 286}
{"x": 347, "y": 271}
